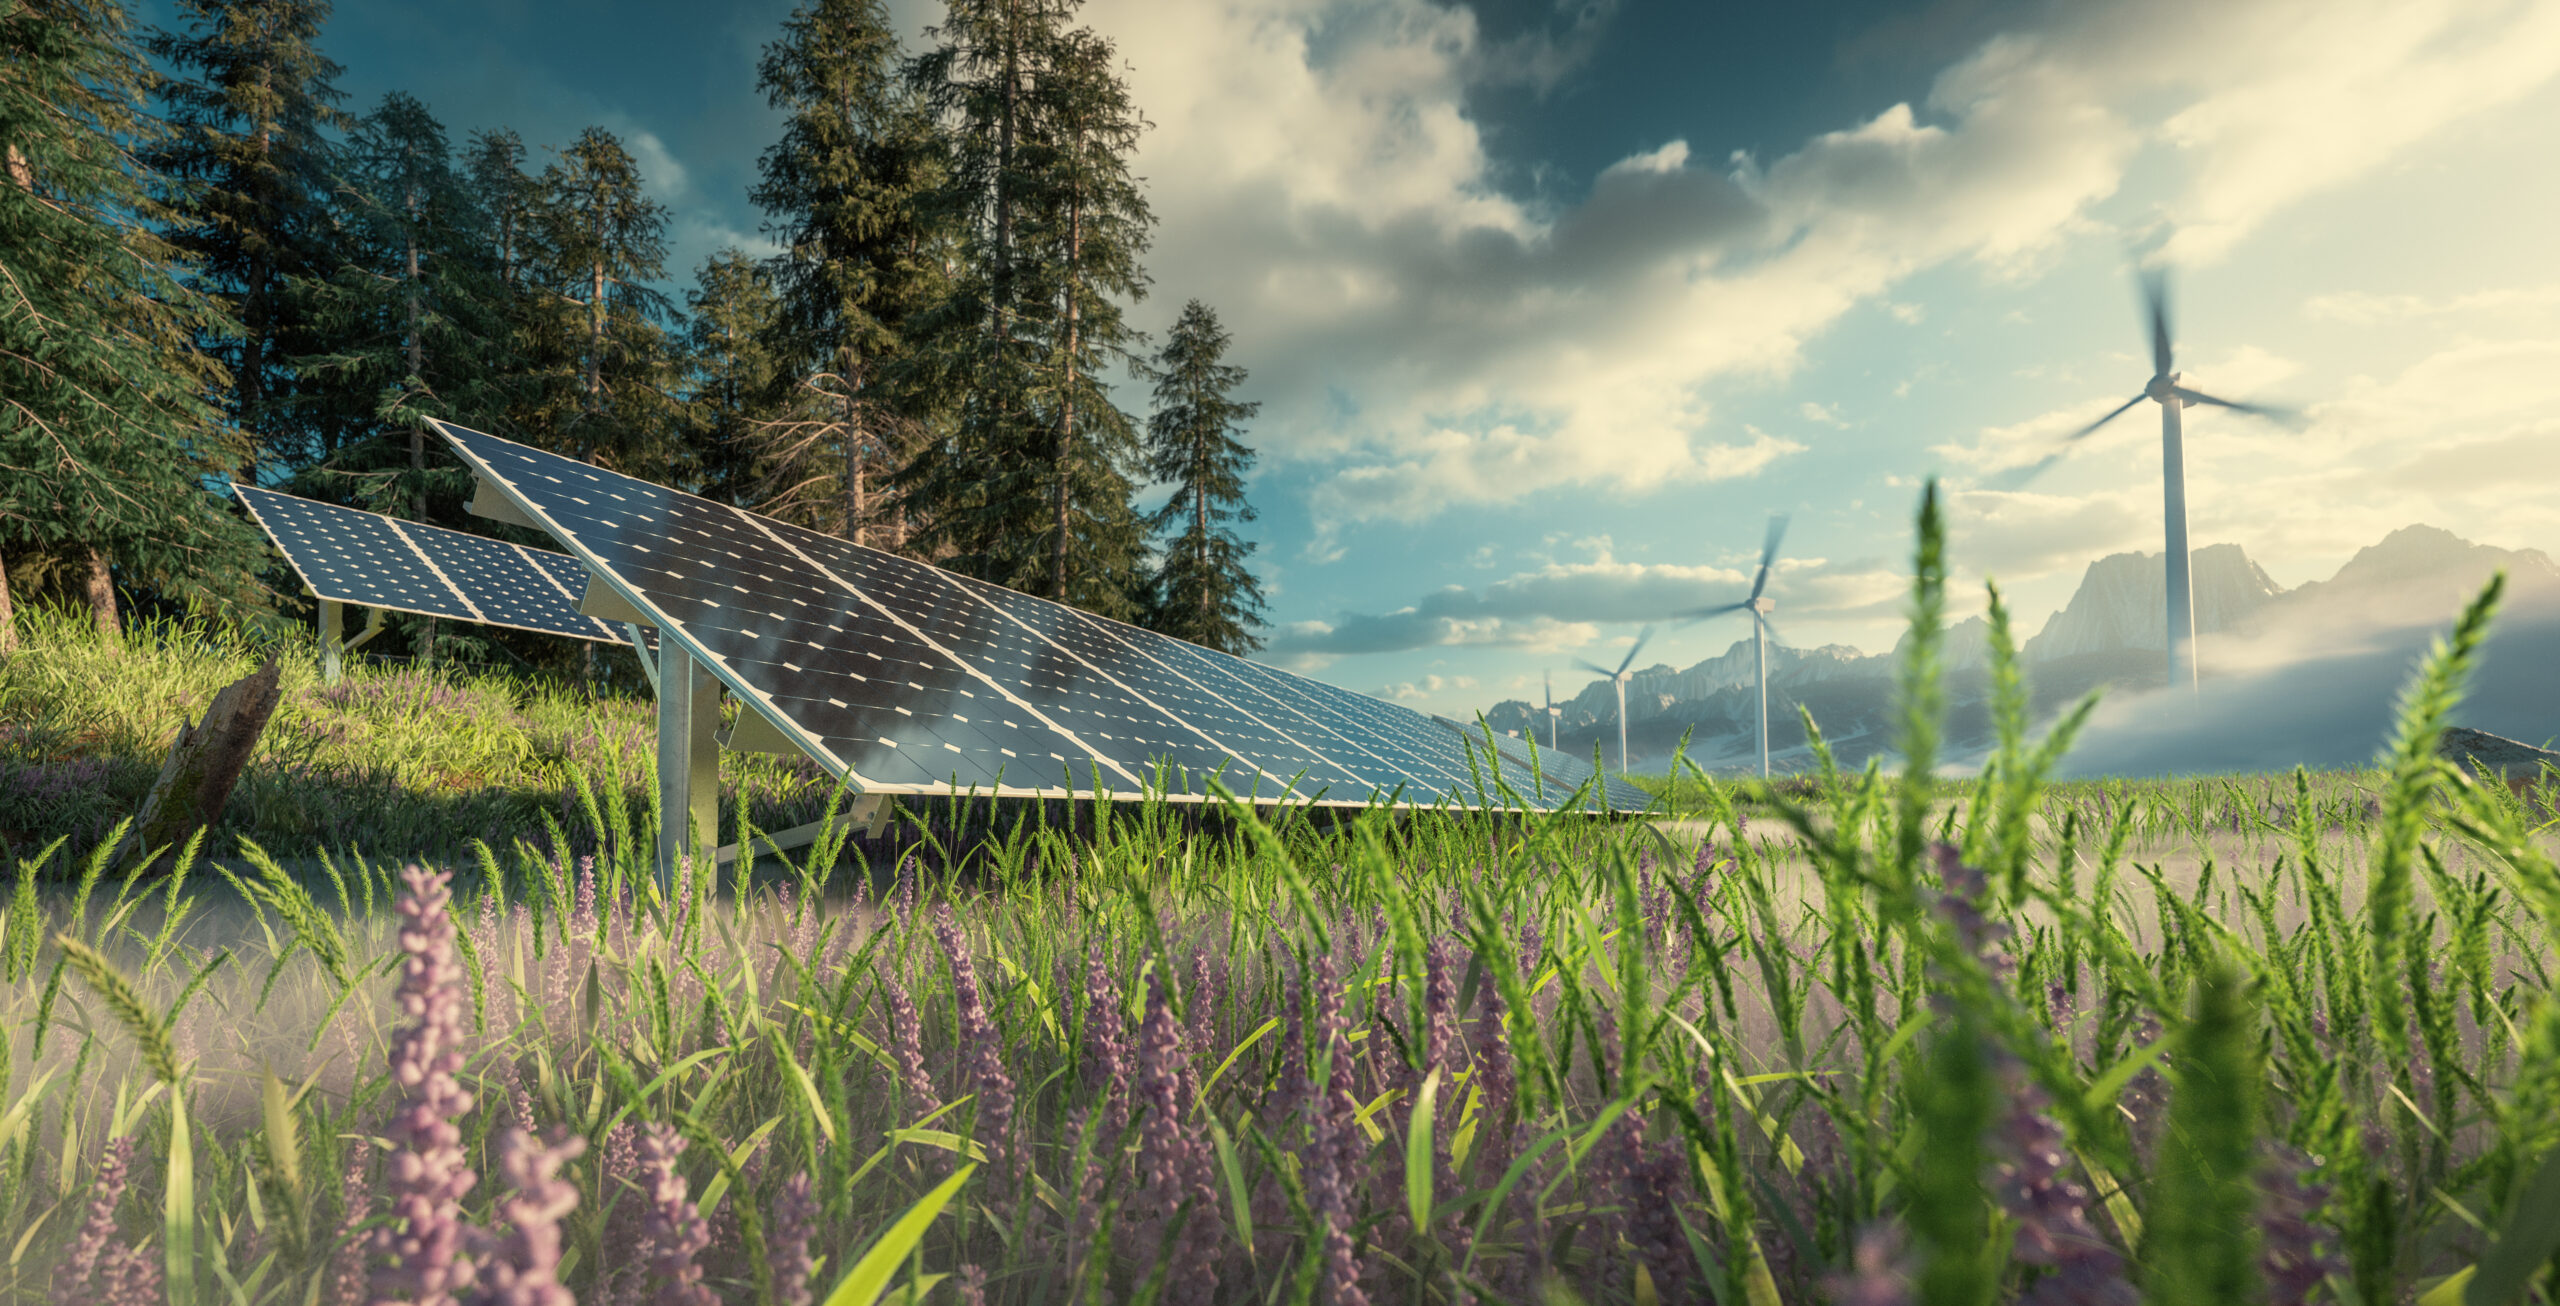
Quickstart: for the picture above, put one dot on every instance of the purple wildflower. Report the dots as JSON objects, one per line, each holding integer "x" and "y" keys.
{"x": 672, "y": 1227}
{"x": 972, "y": 1284}
{"x": 786, "y": 1246}
{"x": 104, "y": 1193}
{"x": 427, "y": 1242}
{"x": 906, "y": 1041}
{"x": 2051, "y": 1211}
{"x": 128, "y": 1275}
{"x": 526, "y": 1269}
{"x": 1648, "y": 1183}
{"x": 985, "y": 1048}
{"x": 1880, "y": 1271}
{"x": 1335, "y": 1144}
{"x": 1173, "y": 1165}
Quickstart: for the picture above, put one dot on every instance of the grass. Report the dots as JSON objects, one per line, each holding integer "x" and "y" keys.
{"x": 390, "y": 758}
{"x": 1858, "y": 1039}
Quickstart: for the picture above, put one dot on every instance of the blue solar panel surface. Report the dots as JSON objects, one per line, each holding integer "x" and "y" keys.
{"x": 353, "y": 556}
{"x": 907, "y": 678}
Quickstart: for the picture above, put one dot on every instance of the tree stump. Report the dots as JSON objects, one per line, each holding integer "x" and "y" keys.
{"x": 205, "y": 764}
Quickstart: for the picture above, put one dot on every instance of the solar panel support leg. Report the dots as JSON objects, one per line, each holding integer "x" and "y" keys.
{"x": 333, "y": 637}
{"x": 688, "y": 766}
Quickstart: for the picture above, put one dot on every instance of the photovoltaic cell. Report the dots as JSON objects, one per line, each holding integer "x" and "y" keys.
{"x": 903, "y": 677}
{"x": 348, "y": 555}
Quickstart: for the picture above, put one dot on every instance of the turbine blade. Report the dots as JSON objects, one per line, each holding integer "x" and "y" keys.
{"x": 1593, "y": 667}
{"x": 1692, "y": 618}
{"x": 1769, "y": 551}
{"x": 1641, "y": 637}
{"x": 2272, "y": 412}
{"x": 2155, "y": 297}
{"x": 2092, "y": 428}
{"x": 2019, "y": 478}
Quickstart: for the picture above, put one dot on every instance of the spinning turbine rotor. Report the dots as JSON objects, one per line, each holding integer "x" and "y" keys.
{"x": 1759, "y": 605}
{"x": 2165, "y": 389}
{"x": 1618, "y": 679}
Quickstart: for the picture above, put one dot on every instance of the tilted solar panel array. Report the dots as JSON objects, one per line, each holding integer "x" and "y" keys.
{"x": 352, "y": 556}
{"x": 905, "y": 678}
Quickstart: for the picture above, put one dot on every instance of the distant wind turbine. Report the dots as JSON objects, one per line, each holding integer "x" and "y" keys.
{"x": 1553, "y": 712}
{"x": 2164, "y": 390}
{"x": 1619, "y": 679}
{"x": 1759, "y": 606}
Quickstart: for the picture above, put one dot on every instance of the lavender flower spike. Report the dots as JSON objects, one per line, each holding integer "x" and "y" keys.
{"x": 427, "y": 1242}
{"x": 526, "y": 1270}
{"x": 107, "y": 1190}
{"x": 795, "y": 1221}
{"x": 985, "y": 1049}
{"x": 673, "y": 1228}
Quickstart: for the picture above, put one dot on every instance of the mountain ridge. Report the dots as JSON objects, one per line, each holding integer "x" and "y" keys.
{"x": 2109, "y": 633}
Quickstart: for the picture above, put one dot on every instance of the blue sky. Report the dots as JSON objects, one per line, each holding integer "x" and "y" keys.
{"x": 1550, "y": 304}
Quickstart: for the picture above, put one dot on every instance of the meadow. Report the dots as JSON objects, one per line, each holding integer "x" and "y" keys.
{"x": 1856, "y": 1038}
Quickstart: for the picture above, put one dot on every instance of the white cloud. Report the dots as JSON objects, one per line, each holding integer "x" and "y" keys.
{"x": 2362, "y": 308}
{"x": 1445, "y": 342}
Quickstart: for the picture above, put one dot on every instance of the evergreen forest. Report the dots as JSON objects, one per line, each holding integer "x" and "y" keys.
{"x": 215, "y": 269}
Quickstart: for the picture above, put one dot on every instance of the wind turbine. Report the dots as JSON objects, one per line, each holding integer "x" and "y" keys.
{"x": 1759, "y": 605}
{"x": 1553, "y": 712}
{"x": 2164, "y": 390}
{"x": 1619, "y": 679}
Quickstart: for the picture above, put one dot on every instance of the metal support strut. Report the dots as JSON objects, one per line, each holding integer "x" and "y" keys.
{"x": 688, "y": 766}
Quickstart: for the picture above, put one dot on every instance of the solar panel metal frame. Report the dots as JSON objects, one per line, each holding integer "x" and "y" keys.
{"x": 542, "y": 564}
{"x": 676, "y": 637}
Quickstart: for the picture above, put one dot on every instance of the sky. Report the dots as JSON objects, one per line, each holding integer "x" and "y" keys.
{"x": 1549, "y": 305}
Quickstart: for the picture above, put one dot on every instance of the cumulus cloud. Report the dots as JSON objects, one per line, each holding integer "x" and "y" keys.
{"x": 1443, "y": 341}
{"x": 1563, "y": 605}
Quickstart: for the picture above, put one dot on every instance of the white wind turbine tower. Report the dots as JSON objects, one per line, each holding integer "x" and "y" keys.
{"x": 1553, "y": 712}
{"x": 2164, "y": 390}
{"x": 1759, "y": 605}
{"x": 1619, "y": 678}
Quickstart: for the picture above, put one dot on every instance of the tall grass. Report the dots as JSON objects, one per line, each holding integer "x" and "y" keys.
{"x": 1866, "y": 1040}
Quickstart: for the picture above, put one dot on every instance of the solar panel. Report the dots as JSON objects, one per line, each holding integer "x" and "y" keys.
{"x": 348, "y": 555}
{"x": 900, "y": 677}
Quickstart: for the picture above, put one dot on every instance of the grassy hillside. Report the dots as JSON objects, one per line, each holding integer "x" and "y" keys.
{"x": 400, "y": 762}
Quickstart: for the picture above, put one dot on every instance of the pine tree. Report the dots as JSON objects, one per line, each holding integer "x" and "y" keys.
{"x": 604, "y": 242}
{"x": 1030, "y": 487}
{"x": 249, "y": 173}
{"x": 1202, "y": 590}
{"x": 732, "y": 316}
{"x": 408, "y": 324}
{"x": 106, "y": 441}
{"x": 846, "y": 188}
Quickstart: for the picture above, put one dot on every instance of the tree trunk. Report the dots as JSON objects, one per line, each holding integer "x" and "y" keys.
{"x": 205, "y": 764}
{"x": 856, "y": 502}
{"x": 1200, "y": 546}
{"x": 1067, "y": 407}
{"x": 1004, "y": 172}
{"x": 102, "y": 597}
{"x": 417, "y": 350}
{"x": 8, "y": 613}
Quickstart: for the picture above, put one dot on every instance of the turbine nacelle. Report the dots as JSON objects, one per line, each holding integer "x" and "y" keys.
{"x": 1764, "y": 605}
{"x": 2163, "y": 387}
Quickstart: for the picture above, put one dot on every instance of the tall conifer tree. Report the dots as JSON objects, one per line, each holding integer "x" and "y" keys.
{"x": 106, "y": 439}
{"x": 1203, "y": 590}
{"x": 605, "y": 241}
{"x": 408, "y": 324}
{"x": 846, "y": 188}
{"x": 1030, "y": 487}
{"x": 250, "y": 179}
{"x": 733, "y": 387}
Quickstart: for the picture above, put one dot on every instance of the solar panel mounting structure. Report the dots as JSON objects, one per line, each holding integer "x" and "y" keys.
{"x": 350, "y": 556}
{"x": 898, "y": 677}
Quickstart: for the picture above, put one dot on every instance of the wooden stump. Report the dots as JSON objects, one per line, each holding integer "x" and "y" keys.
{"x": 205, "y": 764}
